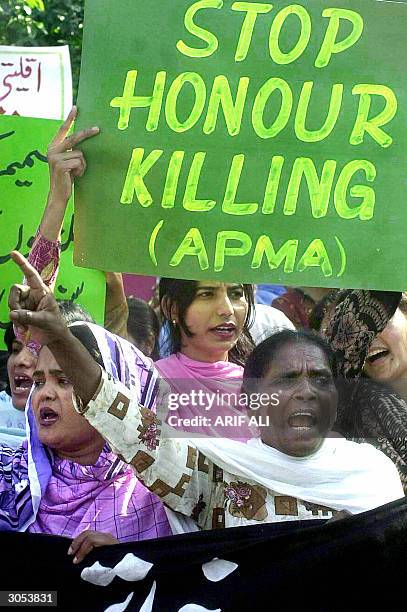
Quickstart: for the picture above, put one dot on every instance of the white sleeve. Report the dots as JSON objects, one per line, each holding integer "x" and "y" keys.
{"x": 170, "y": 467}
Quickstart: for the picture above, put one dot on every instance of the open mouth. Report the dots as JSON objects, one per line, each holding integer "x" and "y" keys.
{"x": 376, "y": 354}
{"x": 302, "y": 420}
{"x": 47, "y": 416}
{"x": 22, "y": 383}
{"x": 225, "y": 330}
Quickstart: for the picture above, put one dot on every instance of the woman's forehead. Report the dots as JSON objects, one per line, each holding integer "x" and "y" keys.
{"x": 217, "y": 284}
{"x": 46, "y": 360}
{"x": 298, "y": 356}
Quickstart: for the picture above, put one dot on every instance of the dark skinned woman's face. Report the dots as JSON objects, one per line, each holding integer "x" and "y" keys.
{"x": 301, "y": 376}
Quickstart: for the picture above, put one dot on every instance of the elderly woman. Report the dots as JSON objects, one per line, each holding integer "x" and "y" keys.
{"x": 64, "y": 479}
{"x": 295, "y": 471}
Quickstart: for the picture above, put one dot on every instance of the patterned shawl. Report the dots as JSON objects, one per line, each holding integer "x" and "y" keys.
{"x": 369, "y": 411}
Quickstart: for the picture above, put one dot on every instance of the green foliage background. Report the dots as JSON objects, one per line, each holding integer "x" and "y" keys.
{"x": 39, "y": 23}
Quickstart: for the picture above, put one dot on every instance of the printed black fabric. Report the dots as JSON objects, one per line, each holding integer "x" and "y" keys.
{"x": 358, "y": 562}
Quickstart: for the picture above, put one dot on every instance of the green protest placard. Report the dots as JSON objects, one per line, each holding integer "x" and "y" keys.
{"x": 246, "y": 141}
{"x": 24, "y": 186}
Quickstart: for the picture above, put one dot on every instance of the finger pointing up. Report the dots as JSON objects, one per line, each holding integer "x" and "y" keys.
{"x": 33, "y": 278}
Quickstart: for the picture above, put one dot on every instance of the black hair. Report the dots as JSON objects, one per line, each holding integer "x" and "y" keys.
{"x": 143, "y": 324}
{"x": 71, "y": 312}
{"x": 4, "y": 356}
{"x": 9, "y": 337}
{"x": 182, "y": 293}
{"x": 85, "y": 337}
{"x": 261, "y": 358}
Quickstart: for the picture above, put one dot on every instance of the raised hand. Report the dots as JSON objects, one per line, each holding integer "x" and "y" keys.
{"x": 65, "y": 162}
{"x": 33, "y": 308}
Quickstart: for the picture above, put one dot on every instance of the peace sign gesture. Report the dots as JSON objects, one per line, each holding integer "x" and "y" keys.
{"x": 65, "y": 162}
{"x": 33, "y": 307}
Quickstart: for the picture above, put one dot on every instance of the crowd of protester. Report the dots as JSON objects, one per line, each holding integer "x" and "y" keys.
{"x": 93, "y": 449}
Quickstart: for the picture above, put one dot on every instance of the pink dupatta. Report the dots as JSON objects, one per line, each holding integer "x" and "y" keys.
{"x": 205, "y": 397}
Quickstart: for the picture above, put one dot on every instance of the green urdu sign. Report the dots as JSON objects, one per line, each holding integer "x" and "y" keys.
{"x": 246, "y": 141}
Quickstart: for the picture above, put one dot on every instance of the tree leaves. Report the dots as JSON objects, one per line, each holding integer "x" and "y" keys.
{"x": 39, "y": 23}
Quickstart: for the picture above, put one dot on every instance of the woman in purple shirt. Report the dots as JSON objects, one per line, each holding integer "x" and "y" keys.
{"x": 64, "y": 480}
